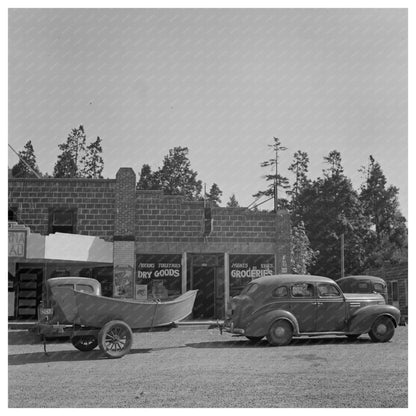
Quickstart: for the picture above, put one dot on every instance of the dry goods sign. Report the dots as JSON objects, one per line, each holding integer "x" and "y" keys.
{"x": 159, "y": 266}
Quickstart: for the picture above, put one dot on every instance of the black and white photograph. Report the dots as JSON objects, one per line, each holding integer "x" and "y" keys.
{"x": 207, "y": 206}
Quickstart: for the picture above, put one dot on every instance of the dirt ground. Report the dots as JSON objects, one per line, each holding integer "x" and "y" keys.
{"x": 184, "y": 367}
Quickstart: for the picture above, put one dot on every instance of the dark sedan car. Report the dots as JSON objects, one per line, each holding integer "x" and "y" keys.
{"x": 281, "y": 307}
{"x": 363, "y": 284}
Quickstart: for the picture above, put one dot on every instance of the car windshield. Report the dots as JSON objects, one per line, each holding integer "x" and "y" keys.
{"x": 248, "y": 290}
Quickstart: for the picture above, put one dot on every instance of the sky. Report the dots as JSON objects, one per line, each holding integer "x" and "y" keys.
{"x": 222, "y": 82}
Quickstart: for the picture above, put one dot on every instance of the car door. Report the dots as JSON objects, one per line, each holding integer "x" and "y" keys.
{"x": 302, "y": 305}
{"x": 331, "y": 309}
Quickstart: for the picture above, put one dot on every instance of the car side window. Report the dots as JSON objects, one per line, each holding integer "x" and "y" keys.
{"x": 280, "y": 292}
{"x": 302, "y": 290}
{"x": 327, "y": 290}
{"x": 378, "y": 287}
{"x": 85, "y": 288}
{"x": 363, "y": 287}
{"x": 70, "y": 285}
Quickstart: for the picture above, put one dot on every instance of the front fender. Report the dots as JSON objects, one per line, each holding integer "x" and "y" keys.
{"x": 260, "y": 323}
{"x": 362, "y": 319}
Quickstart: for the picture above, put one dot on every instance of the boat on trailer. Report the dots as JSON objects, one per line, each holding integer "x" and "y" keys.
{"x": 78, "y": 310}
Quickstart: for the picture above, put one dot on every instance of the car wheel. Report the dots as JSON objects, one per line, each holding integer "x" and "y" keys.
{"x": 353, "y": 337}
{"x": 280, "y": 333}
{"x": 84, "y": 342}
{"x": 254, "y": 339}
{"x": 115, "y": 339}
{"x": 382, "y": 329}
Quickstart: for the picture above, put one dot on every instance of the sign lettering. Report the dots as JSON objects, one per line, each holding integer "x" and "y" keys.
{"x": 17, "y": 243}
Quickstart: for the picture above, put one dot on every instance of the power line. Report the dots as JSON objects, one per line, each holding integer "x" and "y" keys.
{"x": 27, "y": 165}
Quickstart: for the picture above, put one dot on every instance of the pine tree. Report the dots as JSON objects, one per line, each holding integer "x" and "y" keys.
{"x": 303, "y": 256}
{"x": 334, "y": 161}
{"x": 381, "y": 207}
{"x": 233, "y": 203}
{"x": 70, "y": 162}
{"x": 330, "y": 207}
{"x": 176, "y": 176}
{"x": 214, "y": 194}
{"x": 92, "y": 161}
{"x": 21, "y": 170}
{"x": 299, "y": 168}
{"x": 277, "y": 181}
{"x": 147, "y": 179}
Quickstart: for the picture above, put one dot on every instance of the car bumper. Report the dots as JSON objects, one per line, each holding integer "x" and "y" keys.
{"x": 229, "y": 327}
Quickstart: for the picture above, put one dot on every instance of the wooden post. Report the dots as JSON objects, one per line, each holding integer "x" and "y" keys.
{"x": 184, "y": 272}
{"x": 226, "y": 281}
{"x": 342, "y": 255}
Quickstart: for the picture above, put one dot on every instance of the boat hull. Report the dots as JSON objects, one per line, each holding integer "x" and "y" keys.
{"x": 90, "y": 310}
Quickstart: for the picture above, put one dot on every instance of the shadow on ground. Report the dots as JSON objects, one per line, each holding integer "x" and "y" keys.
{"x": 300, "y": 342}
{"x": 66, "y": 355}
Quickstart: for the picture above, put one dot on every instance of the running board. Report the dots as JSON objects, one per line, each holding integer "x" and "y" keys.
{"x": 198, "y": 323}
{"x": 319, "y": 334}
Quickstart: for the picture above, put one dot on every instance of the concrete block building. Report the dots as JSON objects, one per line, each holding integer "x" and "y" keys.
{"x": 138, "y": 244}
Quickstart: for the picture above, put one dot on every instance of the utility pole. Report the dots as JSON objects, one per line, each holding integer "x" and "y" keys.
{"x": 342, "y": 255}
{"x": 275, "y": 180}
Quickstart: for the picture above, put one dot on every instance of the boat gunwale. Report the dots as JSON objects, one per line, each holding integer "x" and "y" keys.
{"x": 181, "y": 298}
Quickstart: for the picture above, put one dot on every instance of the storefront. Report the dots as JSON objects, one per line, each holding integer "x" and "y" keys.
{"x": 33, "y": 259}
{"x": 216, "y": 276}
{"x": 140, "y": 244}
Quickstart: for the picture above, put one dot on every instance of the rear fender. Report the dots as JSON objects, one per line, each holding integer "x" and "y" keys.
{"x": 260, "y": 324}
{"x": 362, "y": 320}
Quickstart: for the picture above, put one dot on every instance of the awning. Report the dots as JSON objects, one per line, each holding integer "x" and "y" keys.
{"x": 70, "y": 247}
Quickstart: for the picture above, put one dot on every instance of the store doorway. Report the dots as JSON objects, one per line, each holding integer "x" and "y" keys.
{"x": 29, "y": 293}
{"x": 203, "y": 279}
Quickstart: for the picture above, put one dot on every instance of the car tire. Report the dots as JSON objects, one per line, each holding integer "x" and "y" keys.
{"x": 382, "y": 329}
{"x": 280, "y": 333}
{"x": 115, "y": 339}
{"x": 84, "y": 342}
{"x": 254, "y": 339}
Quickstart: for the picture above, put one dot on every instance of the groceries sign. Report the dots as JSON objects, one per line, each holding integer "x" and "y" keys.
{"x": 247, "y": 267}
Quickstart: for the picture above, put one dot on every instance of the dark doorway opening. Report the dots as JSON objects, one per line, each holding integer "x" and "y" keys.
{"x": 203, "y": 279}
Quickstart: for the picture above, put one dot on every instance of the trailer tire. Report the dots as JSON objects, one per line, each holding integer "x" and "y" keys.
{"x": 115, "y": 339}
{"x": 84, "y": 342}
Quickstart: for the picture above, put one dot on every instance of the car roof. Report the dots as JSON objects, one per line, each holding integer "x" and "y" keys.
{"x": 291, "y": 278}
{"x": 361, "y": 277}
{"x": 56, "y": 281}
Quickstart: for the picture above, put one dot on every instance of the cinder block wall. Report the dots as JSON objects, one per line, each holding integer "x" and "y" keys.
{"x": 93, "y": 198}
{"x": 169, "y": 223}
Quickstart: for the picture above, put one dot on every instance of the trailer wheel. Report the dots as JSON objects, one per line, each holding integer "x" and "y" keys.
{"x": 115, "y": 339}
{"x": 84, "y": 342}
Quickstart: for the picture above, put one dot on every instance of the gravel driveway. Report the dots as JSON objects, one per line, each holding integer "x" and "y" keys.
{"x": 186, "y": 367}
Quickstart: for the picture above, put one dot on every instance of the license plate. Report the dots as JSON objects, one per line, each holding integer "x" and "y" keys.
{"x": 46, "y": 311}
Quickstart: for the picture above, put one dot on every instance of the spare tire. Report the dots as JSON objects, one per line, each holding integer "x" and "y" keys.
{"x": 84, "y": 342}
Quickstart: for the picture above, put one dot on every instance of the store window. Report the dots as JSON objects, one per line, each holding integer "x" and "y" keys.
{"x": 12, "y": 214}
{"x": 246, "y": 267}
{"x": 62, "y": 220}
{"x": 159, "y": 276}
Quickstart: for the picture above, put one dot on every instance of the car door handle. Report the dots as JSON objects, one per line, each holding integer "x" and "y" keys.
{"x": 317, "y": 303}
